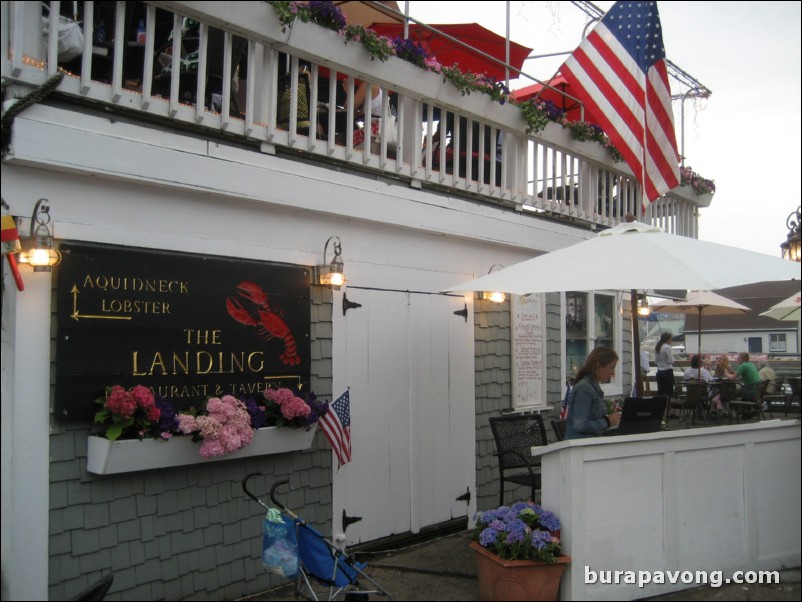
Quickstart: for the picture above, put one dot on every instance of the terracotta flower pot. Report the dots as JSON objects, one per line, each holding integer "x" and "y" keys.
{"x": 501, "y": 579}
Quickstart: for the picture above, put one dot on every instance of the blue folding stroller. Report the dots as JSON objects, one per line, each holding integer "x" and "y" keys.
{"x": 294, "y": 549}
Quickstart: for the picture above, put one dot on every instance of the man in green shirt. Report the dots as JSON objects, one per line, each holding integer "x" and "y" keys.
{"x": 748, "y": 375}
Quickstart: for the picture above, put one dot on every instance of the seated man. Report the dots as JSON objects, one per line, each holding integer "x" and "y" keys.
{"x": 748, "y": 375}
{"x": 767, "y": 373}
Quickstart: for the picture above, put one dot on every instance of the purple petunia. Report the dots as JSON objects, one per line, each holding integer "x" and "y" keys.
{"x": 256, "y": 412}
{"x": 168, "y": 422}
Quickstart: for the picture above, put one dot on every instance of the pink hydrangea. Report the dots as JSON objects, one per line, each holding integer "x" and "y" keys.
{"x": 187, "y": 424}
{"x": 119, "y": 401}
{"x": 145, "y": 400}
{"x": 295, "y": 408}
{"x": 278, "y": 396}
{"x": 225, "y": 428}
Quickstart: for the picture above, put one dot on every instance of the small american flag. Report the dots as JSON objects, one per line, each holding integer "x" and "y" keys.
{"x": 564, "y": 406}
{"x": 619, "y": 71}
{"x": 336, "y": 425}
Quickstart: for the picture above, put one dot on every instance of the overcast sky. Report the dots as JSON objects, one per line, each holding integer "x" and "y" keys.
{"x": 746, "y": 136}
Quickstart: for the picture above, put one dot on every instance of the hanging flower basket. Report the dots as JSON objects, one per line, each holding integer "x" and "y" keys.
{"x": 129, "y": 455}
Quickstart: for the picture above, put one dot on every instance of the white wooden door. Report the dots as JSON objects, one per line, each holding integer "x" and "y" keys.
{"x": 408, "y": 360}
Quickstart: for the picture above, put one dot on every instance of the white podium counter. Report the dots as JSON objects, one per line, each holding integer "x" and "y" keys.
{"x": 723, "y": 498}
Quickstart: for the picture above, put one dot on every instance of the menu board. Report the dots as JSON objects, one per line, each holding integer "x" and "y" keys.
{"x": 528, "y": 354}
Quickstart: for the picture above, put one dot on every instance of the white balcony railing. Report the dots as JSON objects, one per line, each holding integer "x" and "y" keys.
{"x": 236, "y": 72}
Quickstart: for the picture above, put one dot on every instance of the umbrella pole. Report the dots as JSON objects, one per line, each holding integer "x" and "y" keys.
{"x": 633, "y": 301}
{"x": 699, "y": 349}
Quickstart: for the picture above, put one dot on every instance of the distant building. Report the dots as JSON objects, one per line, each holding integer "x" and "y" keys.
{"x": 749, "y": 332}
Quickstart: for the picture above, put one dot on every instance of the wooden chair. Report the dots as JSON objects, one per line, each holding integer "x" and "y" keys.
{"x": 558, "y": 426}
{"x": 515, "y": 435}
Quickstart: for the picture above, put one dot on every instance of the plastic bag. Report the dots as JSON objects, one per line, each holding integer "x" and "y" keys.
{"x": 70, "y": 38}
{"x": 279, "y": 545}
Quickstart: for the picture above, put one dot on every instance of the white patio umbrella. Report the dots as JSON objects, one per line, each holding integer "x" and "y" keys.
{"x": 787, "y": 310}
{"x": 635, "y": 257}
{"x": 701, "y": 302}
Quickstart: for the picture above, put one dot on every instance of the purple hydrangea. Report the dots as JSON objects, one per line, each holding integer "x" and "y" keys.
{"x": 541, "y": 539}
{"x": 522, "y": 531}
{"x": 548, "y": 520}
{"x": 516, "y": 531}
{"x": 488, "y": 537}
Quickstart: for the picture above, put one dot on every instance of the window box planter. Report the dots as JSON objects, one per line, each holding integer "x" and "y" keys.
{"x": 689, "y": 194}
{"x": 130, "y": 455}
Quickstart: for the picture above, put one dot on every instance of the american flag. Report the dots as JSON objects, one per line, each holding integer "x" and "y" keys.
{"x": 336, "y": 425}
{"x": 619, "y": 72}
{"x": 564, "y": 406}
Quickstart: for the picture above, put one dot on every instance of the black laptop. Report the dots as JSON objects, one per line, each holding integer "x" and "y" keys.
{"x": 641, "y": 415}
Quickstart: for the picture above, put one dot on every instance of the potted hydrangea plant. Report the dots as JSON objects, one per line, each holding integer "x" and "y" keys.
{"x": 518, "y": 553}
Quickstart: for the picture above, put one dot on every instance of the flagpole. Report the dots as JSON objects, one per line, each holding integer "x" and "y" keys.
{"x": 633, "y": 307}
{"x": 507, "y": 50}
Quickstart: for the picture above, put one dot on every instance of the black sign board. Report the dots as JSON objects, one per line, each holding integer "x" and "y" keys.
{"x": 187, "y": 326}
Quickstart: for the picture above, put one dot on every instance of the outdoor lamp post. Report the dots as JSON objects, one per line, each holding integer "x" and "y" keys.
{"x": 791, "y": 248}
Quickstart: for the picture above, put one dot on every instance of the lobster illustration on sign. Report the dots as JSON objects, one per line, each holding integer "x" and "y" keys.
{"x": 268, "y": 323}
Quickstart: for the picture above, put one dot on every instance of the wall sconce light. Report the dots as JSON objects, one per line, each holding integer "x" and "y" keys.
{"x": 644, "y": 309}
{"x": 792, "y": 247}
{"x": 494, "y": 296}
{"x": 330, "y": 274}
{"x": 40, "y": 253}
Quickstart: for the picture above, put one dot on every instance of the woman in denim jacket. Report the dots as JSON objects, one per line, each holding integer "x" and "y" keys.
{"x": 587, "y": 412}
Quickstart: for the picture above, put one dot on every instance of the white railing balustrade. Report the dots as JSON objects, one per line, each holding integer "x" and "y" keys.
{"x": 229, "y": 68}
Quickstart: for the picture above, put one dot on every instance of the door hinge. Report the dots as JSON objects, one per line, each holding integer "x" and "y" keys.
{"x": 462, "y": 312}
{"x": 348, "y": 520}
{"x": 465, "y": 497}
{"x": 349, "y": 304}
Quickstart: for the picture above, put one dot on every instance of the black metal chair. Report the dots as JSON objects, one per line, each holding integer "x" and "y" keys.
{"x": 696, "y": 395}
{"x": 793, "y": 401}
{"x": 775, "y": 397}
{"x": 515, "y": 435}
{"x": 750, "y": 405}
{"x": 558, "y": 426}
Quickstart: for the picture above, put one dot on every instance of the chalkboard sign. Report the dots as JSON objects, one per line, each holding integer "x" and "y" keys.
{"x": 528, "y": 352}
{"x": 187, "y": 326}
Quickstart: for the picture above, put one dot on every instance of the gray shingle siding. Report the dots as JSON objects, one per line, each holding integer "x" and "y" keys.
{"x": 493, "y": 391}
{"x": 183, "y": 532}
